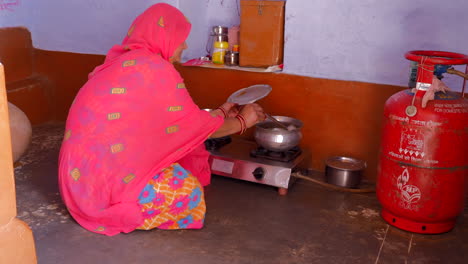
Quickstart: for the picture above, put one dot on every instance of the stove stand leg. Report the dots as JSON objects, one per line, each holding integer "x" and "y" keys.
{"x": 282, "y": 191}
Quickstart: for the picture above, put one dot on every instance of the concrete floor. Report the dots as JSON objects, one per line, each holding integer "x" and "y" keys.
{"x": 245, "y": 223}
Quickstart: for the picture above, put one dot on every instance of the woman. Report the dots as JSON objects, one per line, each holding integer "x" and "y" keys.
{"x": 133, "y": 154}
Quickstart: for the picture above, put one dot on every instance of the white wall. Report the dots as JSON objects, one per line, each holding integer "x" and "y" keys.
{"x": 365, "y": 40}
{"x": 14, "y": 13}
{"x": 198, "y": 16}
{"x": 84, "y": 26}
{"x": 223, "y": 12}
{"x": 94, "y": 26}
{"x": 362, "y": 40}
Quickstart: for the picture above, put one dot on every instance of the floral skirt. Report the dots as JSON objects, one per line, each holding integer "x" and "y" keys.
{"x": 173, "y": 199}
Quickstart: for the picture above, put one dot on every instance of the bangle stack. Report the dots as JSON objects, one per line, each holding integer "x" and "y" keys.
{"x": 243, "y": 124}
{"x": 223, "y": 111}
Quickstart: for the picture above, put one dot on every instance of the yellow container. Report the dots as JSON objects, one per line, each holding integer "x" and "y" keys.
{"x": 219, "y": 50}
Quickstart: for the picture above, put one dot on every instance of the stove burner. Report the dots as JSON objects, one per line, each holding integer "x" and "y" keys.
{"x": 283, "y": 156}
{"x": 217, "y": 143}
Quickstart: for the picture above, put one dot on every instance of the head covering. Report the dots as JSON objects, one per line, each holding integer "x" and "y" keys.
{"x": 159, "y": 30}
{"x": 133, "y": 118}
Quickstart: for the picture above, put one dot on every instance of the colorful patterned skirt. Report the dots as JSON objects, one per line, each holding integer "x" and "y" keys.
{"x": 173, "y": 199}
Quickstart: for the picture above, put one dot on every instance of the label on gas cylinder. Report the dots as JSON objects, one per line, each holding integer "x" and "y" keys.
{"x": 423, "y": 86}
{"x": 410, "y": 194}
{"x": 412, "y": 149}
{"x": 461, "y": 108}
{"x": 412, "y": 142}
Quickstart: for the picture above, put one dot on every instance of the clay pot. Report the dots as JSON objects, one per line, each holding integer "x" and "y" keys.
{"x": 21, "y": 131}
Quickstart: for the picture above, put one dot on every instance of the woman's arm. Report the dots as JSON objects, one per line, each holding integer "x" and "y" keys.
{"x": 249, "y": 115}
{"x": 230, "y": 126}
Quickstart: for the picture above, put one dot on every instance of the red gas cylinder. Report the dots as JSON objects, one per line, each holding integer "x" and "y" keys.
{"x": 423, "y": 162}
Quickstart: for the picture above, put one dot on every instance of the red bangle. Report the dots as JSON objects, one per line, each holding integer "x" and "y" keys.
{"x": 223, "y": 111}
{"x": 242, "y": 123}
{"x": 241, "y": 126}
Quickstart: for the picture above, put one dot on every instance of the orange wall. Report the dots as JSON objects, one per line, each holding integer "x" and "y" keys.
{"x": 340, "y": 117}
{"x": 67, "y": 72}
{"x": 15, "y": 53}
{"x": 25, "y": 89}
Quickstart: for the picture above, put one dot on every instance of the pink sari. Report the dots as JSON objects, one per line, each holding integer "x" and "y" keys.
{"x": 132, "y": 119}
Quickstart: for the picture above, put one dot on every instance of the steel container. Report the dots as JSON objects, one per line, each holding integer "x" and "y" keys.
{"x": 272, "y": 137}
{"x": 231, "y": 58}
{"x": 344, "y": 171}
{"x": 220, "y": 30}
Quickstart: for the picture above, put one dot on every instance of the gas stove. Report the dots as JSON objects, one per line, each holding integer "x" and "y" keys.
{"x": 245, "y": 160}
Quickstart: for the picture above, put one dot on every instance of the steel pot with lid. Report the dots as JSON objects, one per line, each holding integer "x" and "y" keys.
{"x": 344, "y": 171}
{"x": 272, "y": 137}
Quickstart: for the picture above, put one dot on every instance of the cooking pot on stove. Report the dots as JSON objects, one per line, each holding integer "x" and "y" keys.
{"x": 275, "y": 138}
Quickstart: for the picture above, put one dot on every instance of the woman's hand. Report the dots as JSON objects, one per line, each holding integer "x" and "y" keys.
{"x": 252, "y": 113}
{"x": 231, "y": 109}
{"x": 227, "y": 110}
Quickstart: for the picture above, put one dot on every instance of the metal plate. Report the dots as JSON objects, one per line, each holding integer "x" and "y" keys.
{"x": 250, "y": 94}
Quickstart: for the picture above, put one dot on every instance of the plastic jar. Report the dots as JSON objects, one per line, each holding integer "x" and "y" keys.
{"x": 219, "y": 50}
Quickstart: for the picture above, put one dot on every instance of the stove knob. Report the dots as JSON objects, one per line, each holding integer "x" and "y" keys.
{"x": 258, "y": 173}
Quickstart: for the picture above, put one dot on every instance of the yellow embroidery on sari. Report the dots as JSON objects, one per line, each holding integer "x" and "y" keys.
{"x": 118, "y": 90}
{"x": 175, "y": 108}
{"x": 161, "y": 22}
{"x": 129, "y": 178}
{"x": 100, "y": 229}
{"x": 130, "y": 31}
{"x": 75, "y": 173}
{"x": 113, "y": 116}
{"x": 128, "y": 63}
{"x": 172, "y": 129}
{"x": 116, "y": 148}
{"x": 67, "y": 135}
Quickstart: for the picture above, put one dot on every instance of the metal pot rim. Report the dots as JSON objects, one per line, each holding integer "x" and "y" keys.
{"x": 360, "y": 165}
{"x": 286, "y": 119}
